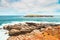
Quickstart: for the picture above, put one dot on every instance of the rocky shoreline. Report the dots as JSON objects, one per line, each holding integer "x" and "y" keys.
{"x": 33, "y": 31}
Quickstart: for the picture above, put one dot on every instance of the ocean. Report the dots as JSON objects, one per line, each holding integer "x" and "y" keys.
{"x": 11, "y": 19}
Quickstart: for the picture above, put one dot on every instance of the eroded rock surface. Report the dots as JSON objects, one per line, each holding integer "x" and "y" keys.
{"x": 33, "y": 31}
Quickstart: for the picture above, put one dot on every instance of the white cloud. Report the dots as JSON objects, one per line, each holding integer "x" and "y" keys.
{"x": 30, "y": 6}
{"x": 35, "y": 5}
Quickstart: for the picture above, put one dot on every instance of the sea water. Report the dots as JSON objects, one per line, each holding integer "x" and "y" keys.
{"x": 9, "y": 19}
{"x": 15, "y": 19}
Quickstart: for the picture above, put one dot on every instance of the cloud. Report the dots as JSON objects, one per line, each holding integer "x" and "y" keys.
{"x": 12, "y": 1}
{"x": 32, "y": 6}
{"x": 35, "y": 5}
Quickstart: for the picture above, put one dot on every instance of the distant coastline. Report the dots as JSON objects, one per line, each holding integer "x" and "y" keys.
{"x": 39, "y": 16}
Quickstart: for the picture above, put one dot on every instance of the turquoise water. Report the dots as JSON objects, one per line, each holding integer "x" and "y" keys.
{"x": 8, "y": 19}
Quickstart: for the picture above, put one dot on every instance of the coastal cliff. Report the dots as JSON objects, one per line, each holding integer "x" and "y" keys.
{"x": 33, "y": 31}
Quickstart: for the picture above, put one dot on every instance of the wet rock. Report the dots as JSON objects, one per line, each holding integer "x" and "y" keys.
{"x": 30, "y": 24}
{"x": 7, "y": 27}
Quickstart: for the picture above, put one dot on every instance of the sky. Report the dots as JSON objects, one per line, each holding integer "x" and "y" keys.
{"x": 23, "y": 7}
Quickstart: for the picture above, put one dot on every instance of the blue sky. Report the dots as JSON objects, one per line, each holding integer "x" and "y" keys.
{"x": 23, "y": 7}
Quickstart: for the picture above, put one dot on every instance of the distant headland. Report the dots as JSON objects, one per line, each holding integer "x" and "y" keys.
{"x": 38, "y": 15}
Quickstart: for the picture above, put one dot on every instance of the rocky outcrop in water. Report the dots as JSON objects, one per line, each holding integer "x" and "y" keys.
{"x": 17, "y": 31}
{"x": 22, "y": 28}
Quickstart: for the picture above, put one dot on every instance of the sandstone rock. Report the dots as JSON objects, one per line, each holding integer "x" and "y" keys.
{"x": 32, "y": 31}
{"x": 7, "y": 27}
{"x": 14, "y": 32}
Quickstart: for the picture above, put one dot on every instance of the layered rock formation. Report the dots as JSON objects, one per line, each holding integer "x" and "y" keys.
{"x": 33, "y": 31}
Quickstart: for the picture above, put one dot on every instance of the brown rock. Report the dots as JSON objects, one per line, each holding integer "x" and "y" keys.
{"x": 13, "y": 38}
{"x": 7, "y": 27}
{"x": 14, "y": 32}
{"x": 17, "y": 30}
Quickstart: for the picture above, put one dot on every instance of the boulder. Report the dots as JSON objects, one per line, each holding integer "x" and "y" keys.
{"x": 7, "y": 27}
{"x": 14, "y": 32}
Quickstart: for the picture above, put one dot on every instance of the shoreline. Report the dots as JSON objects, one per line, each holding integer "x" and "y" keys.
{"x": 15, "y": 27}
{"x": 30, "y": 28}
{"x": 16, "y": 22}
